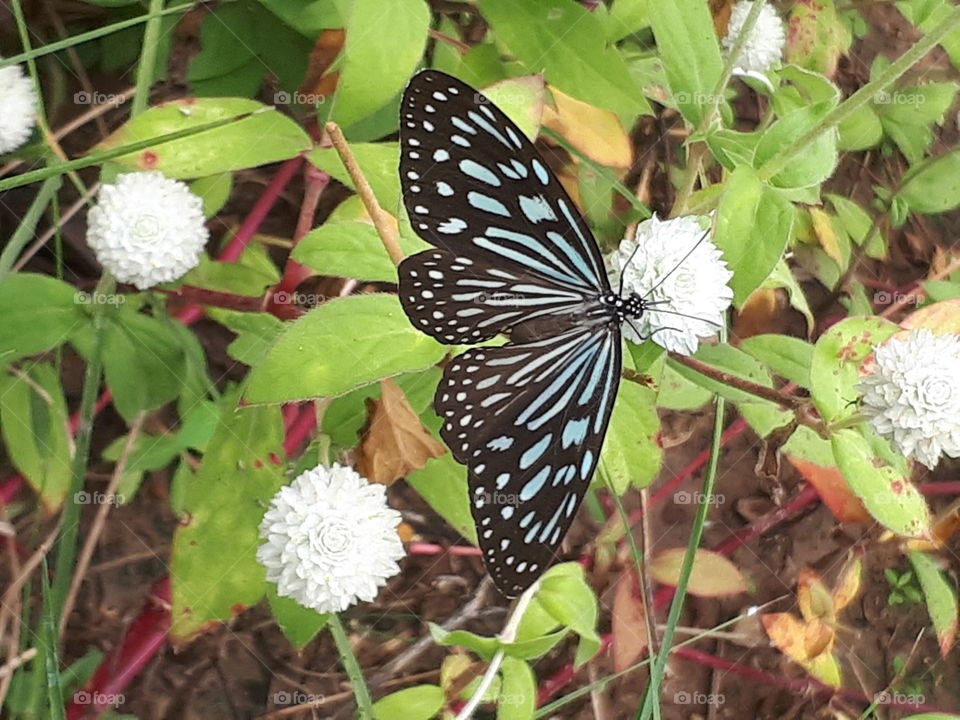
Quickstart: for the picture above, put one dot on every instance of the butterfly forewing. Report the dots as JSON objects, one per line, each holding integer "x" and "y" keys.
{"x": 475, "y": 185}
{"x": 529, "y": 420}
{"x": 512, "y": 256}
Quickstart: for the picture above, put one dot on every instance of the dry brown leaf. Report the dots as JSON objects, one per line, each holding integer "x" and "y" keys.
{"x": 761, "y": 312}
{"x": 318, "y": 82}
{"x": 849, "y": 583}
{"x": 595, "y": 132}
{"x": 395, "y": 443}
{"x": 630, "y": 637}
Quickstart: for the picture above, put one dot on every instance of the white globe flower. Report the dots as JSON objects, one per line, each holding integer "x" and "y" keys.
{"x": 18, "y": 112}
{"x": 147, "y": 228}
{"x": 912, "y": 396}
{"x": 331, "y": 539}
{"x": 763, "y": 48}
{"x": 681, "y": 274}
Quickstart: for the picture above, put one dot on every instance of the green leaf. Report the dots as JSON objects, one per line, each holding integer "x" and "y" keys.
{"x": 35, "y": 421}
{"x": 259, "y": 136}
{"x": 351, "y": 249}
{"x": 933, "y": 186}
{"x": 631, "y": 455}
{"x": 882, "y": 482}
{"x": 732, "y": 148}
{"x": 535, "y": 647}
{"x": 860, "y": 130}
{"x": 926, "y": 15}
{"x": 442, "y": 483}
{"x": 753, "y": 226}
{"x": 224, "y": 41}
{"x": 239, "y": 278}
{"x": 39, "y": 313}
{"x": 782, "y": 277}
{"x": 565, "y": 594}
{"x": 485, "y": 647}
{"x": 378, "y": 161}
{"x": 375, "y": 71}
{"x": 341, "y": 345}
{"x": 763, "y": 415}
{"x": 421, "y": 702}
{"x": 819, "y": 158}
{"x": 818, "y": 37}
{"x": 136, "y": 347}
{"x": 788, "y": 357}
{"x": 627, "y": 17}
{"x": 907, "y": 115}
{"x": 256, "y": 333}
{"x": 837, "y": 357}
{"x": 214, "y": 568}
{"x": 567, "y": 42}
{"x": 214, "y": 190}
{"x": 310, "y": 17}
{"x": 518, "y": 691}
{"x": 687, "y": 45}
{"x": 300, "y": 624}
{"x": 940, "y": 596}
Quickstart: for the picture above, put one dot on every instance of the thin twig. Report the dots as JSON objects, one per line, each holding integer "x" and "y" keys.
{"x": 381, "y": 219}
{"x": 99, "y": 521}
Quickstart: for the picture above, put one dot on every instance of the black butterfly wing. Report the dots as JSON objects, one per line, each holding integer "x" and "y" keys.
{"x": 529, "y": 421}
{"x": 474, "y": 185}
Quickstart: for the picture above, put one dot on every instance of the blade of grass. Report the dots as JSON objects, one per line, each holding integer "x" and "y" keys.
{"x": 48, "y": 634}
{"x": 25, "y": 231}
{"x": 651, "y": 701}
{"x": 148, "y": 59}
{"x": 92, "y": 35}
{"x": 67, "y": 546}
{"x": 104, "y": 155}
{"x": 352, "y": 667}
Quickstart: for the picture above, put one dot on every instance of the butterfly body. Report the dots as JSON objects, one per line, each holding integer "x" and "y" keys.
{"x": 511, "y": 256}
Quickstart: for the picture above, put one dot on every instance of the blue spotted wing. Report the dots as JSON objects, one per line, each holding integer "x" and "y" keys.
{"x": 511, "y": 255}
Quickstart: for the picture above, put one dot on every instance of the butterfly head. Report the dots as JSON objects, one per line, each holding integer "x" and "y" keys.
{"x": 630, "y": 307}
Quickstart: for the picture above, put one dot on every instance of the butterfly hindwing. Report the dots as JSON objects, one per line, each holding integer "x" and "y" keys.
{"x": 529, "y": 421}
{"x": 474, "y": 185}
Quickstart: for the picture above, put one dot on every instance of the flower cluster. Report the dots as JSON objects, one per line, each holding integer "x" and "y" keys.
{"x": 912, "y": 396}
{"x": 19, "y": 108}
{"x": 763, "y": 47}
{"x": 331, "y": 539}
{"x": 147, "y": 229}
{"x": 681, "y": 275}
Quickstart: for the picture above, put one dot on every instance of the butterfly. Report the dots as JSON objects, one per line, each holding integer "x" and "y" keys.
{"x": 511, "y": 255}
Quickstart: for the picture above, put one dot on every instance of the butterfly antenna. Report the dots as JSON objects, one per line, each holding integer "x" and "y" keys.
{"x": 682, "y": 260}
{"x": 691, "y": 317}
{"x": 636, "y": 247}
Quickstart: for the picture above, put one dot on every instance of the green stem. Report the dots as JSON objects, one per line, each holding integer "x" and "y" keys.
{"x": 67, "y": 546}
{"x": 862, "y": 96}
{"x": 148, "y": 59}
{"x": 352, "y": 667}
{"x": 651, "y": 701}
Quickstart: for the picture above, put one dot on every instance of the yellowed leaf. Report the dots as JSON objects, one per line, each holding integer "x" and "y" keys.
{"x": 826, "y": 235}
{"x": 395, "y": 443}
{"x": 595, "y": 132}
{"x": 941, "y": 317}
{"x": 630, "y": 637}
{"x": 825, "y": 668}
{"x": 786, "y": 631}
{"x": 713, "y": 574}
{"x": 849, "y": 583}
{"x": 813, "y": 596}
